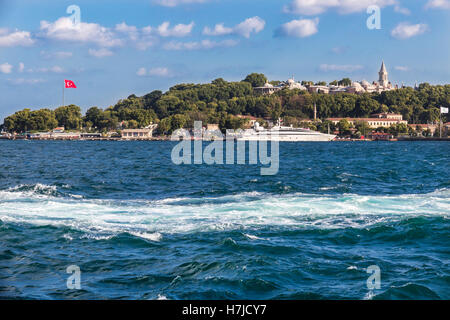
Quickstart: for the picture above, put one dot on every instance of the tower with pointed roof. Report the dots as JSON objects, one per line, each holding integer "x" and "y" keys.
{"x": 383, "y": 79}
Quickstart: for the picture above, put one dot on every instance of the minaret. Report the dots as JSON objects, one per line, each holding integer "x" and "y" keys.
{"x": 315, "y": 112}
{"x": 383, "y": 79}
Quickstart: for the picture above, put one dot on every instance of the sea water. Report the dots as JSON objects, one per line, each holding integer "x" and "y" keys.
{"x": 140, "y": 227}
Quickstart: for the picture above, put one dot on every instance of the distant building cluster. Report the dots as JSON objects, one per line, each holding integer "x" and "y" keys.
{"x": 60, "y": 133}
{"x": 383, "y": 84}
{"x": 377, "y": 120}
{"x": 270, "y": 88}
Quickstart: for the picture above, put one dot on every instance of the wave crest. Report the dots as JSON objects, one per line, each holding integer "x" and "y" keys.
{"x": 44, "y": 205}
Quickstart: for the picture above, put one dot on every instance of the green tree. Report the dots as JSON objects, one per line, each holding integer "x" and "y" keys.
{"x": 345, "y": 82}
{"x": 69, "y": 117}
{"x": 256, "y": 79}
{"x": 219, "y": 82}
{"x": 132, "y": 124}
{"x": 165, "y": 125}
{"x": 344, "y": 126}
{"x": 178, "y": 122}
{"x": 43, "y": 120}
{"x": 362, "y": 127}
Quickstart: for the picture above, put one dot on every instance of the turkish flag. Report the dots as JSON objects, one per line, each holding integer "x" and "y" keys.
{"x": 69, "y": 84}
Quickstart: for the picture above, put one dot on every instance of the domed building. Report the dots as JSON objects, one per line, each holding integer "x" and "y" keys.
{"x": 383, "y": 83}
{"x": 291, "y": 84}
{"x": 356, "y": 87}
{"x": 364, "y": 86}
{"x": 268, "y": 88}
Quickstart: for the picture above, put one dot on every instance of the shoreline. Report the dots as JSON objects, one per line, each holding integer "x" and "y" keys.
{"x": 411, "y": 139}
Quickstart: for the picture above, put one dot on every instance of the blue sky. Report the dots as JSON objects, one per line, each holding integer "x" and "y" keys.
{"x": 123, "y": 47}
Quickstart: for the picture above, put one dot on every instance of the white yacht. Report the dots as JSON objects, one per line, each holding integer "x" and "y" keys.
{"x": 282, "y": 133}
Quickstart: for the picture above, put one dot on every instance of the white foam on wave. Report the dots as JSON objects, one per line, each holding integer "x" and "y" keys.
{"x": 148, "y": 236}
{"x": 150, "y": 220}
{"x": 252, "y": 237}
{"x": 38, "y": 190}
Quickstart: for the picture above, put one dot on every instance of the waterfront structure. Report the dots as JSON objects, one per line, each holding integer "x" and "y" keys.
{"x": 212, "y": 127}
{"x": 377, "y": 120}
{"x": 421, "y": 128}
{"x": 137, "y": 134}
{"x": 383, "y": 136}
{"x": 65, "y": 135}
{"x": 91, "y": 135}
{"x": 58, "y": 130}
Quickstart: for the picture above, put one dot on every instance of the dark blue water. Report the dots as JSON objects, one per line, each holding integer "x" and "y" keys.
{"x": 140, "y": 227}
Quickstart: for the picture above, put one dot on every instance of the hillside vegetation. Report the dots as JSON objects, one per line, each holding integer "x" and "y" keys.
{"x": 221, "y": 101}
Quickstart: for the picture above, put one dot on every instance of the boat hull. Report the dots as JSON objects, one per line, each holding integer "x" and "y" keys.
{"x": 295, "y": 138}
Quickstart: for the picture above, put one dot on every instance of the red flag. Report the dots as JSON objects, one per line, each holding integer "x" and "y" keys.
{"x": 69, "y": 84}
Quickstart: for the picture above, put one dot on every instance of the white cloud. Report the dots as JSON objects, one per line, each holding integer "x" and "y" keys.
{"x": 6, "y": 68}
{"x": 160, "y": 72}
{"x": 402, "y": 10}
{"x": 401, "y": 68}
{"x": 20, "y": 81}
{"x": 314, "y": 7}
{"x": 339, "y": 50}
{"x": 15, "y": 38}
{"x": 299, "y": 28}
{"x": 219, "y": 30}
{"x": 64, "y": 29}
{"x": 174, "y": 3}
{"x": 21, "y": 67}
{"x": 405, "y": 30}
{"x": 123, "y": 27}
{"x": 245, "y": 28}
{"x": 141, "y": 72}
{"x": 131, "y": 31}
{"x": 180, "y": 30}
{"x": 105, "y": 38}
{"x": 57, "y": 55}
{"x": 342, "y": 68}
{"x": 145, "y": 44}
{"x": 199, "y": 45}
{"x": 54, "y": 69}
{"x": 156, "y": 72}
{"x": 143, "y": 38}
{"x": 438, "y": 4}
{"x": 147, "y": 30}
{"x": 100, "y": 53}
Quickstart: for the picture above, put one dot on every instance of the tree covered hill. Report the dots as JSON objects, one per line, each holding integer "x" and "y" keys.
{"x": 221, "y": 101}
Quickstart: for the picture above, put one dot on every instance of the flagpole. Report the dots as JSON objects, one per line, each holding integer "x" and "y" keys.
{"x": 63, "y": 92}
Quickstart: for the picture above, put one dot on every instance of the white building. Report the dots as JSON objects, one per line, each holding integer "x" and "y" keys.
{"x": 139, "y": 134}
{"x": 376, "y": 120}
{"x": 290, "y": 84}
{"x": 383, "y": 83}
{"x": 364, "y": 86}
